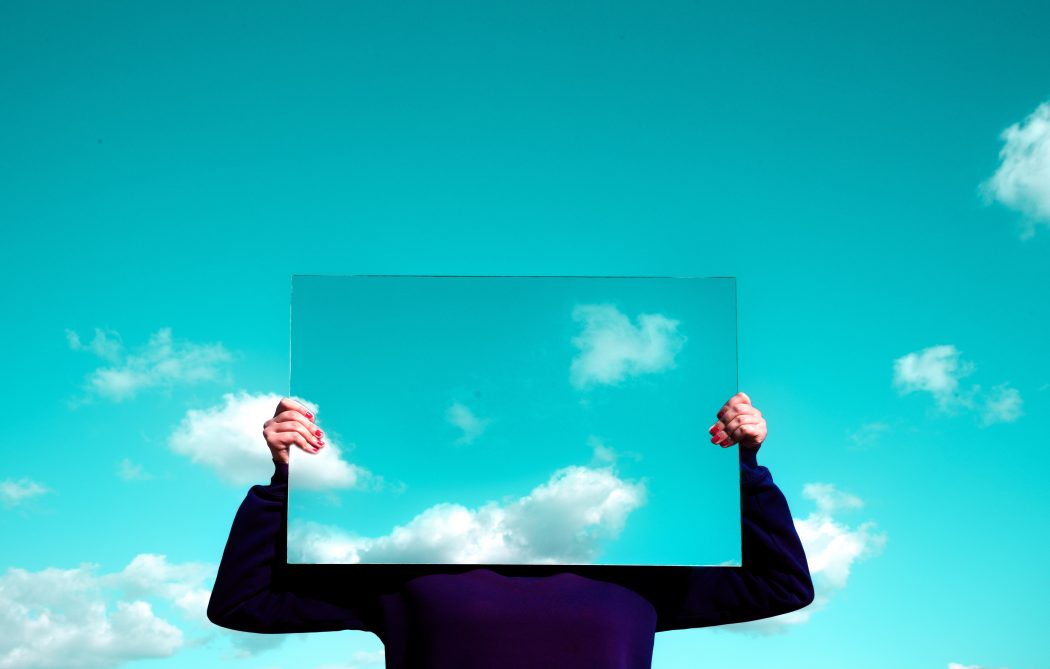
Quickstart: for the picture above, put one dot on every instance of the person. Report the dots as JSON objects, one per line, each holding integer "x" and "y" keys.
{"x": 492, "y": 617}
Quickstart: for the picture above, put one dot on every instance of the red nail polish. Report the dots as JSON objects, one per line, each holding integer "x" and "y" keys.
{"x": 317, "y": 433}
{"x": 309, "y": 415}
{"x": 713, "y": 429}
{"x": 714, "y": 439}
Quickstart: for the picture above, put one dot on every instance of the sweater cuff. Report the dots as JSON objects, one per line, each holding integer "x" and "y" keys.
{"x": 280, "y": 473}
{"x": 749, "y": 457}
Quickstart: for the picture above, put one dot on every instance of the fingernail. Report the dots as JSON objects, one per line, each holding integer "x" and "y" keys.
{"x": 713, "y": 429}
{"x": 309, "y": 415}
{"x": 317, "y": 433}
{"x": 714, "y": 439}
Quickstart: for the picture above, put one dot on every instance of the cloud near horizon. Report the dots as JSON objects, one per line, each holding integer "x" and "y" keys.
{"x": 611, "y": 348}
{"x": 564, "y": 520}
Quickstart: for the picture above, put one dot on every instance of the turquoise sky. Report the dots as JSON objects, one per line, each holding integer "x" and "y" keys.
{"x": 876, "y": 176}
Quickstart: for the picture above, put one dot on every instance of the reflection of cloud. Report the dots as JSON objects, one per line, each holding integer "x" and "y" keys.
{"x": 462, "y": 417}
{"x": 561, "y": 521}
{"x": 1022, "y": 181}
{"x": 228, "y": 438}
{"x": 161, "y": 363}
{"x": 63, "y": 618}
{"x": 611, "y": 348}
{"x": 15, "y": 492}
{"x": 831, "y": 549}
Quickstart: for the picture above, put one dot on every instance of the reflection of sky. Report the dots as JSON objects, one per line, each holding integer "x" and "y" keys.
{"x": 503, "y": 420}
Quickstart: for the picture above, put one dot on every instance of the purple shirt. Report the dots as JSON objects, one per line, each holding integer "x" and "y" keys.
{"x": 492, "y": 617}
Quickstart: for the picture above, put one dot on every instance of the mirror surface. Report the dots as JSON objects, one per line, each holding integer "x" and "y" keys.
{"x": 514, "y": 420}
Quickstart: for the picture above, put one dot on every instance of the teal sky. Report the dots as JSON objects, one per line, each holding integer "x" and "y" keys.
{"x": 876, "y": 176}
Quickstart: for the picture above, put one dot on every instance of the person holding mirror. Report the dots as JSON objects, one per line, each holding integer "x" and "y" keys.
{"x": 477, "y": 618}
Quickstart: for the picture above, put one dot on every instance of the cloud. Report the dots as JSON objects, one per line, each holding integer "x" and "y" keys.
{"x": 66, "y": 619}
{"x": 956, "y": 665}
{"x": 161, "y": 363}
{"x": 14, "y": 492}
{"x": 564, "y": 520}
{"x": 130, "y": 471}
{"x": 1004, "y": 406}
{"x": 832, "y": 548}
{"x": 935, "y": 370}
{"x": 228, "y": 439}
{"x": 462, "y": 417}
{"x": 1022, "y": 180}
{"x": 938, "y": 369}
{"x": 867, "y": 434}
{"x": 611, "y": 348}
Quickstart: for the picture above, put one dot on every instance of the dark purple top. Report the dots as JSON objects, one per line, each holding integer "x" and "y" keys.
{"x": 490, "y": 617}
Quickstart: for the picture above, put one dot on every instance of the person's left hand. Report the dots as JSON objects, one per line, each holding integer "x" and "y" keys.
{"x": 739, "y": 422}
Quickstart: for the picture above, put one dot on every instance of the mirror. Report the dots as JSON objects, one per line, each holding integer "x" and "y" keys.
{"x": 514, "y": 420}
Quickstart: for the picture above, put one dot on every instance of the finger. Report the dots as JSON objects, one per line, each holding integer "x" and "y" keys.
{"x": 742, "y": 419}
{"x": 294, "y": 437}
{"x": 733, "y": 409}
{"x": 288, "y": 404}
{"x": 295, "y": 416}
{"x": 750, "y": 430}
{"x": 296, "y": 426}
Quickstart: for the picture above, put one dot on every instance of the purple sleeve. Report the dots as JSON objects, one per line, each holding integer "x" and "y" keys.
{"x": 774, "y": 578}
{"x": 255, "y": 590}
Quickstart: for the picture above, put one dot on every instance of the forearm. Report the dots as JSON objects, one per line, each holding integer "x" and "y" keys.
{"x": 253, "y": 591}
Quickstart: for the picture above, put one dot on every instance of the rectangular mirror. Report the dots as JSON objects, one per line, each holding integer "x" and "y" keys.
{"x": 514, "y": 421}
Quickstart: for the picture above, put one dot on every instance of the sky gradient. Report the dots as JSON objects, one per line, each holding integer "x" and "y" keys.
{"x": 876, "y": 176}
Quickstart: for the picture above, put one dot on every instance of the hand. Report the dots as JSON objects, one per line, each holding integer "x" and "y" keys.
{"x": 292, "y": 423}
{"x": 739, "y": 422}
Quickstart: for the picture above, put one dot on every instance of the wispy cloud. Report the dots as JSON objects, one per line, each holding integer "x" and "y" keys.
{"x": 130, "y": 471}
{"x": 1022, "y": 180}
{"x": 71, "y": 619}
{"x": 462, "y": 417}
{"x": 228, "y": 439}
{"x": 867, "y": 435}
{"x": 832, "y": 548}
{"x": 564, "y": 520}
{"x": 1003, "y": 406}
{"x": 956, "y": 665}
{"x": 14, "y": 492}
{"x": 161, "y": 363}
{"x": 938, "y": 370}
{"x": 611, "y": 348}
{"x": 935, "y": 370}
{"x": 360, "y": 659}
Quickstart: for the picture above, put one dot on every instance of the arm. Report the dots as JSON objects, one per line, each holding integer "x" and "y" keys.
{"x": 775, "y": 575}
{"x": 256, "y": 592}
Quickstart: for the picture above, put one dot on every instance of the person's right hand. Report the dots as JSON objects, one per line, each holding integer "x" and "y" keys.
{"x": 292, "y": 423}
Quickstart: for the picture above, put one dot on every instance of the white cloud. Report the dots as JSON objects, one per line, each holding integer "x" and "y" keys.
{"x": 15, "y": 492}
{"x": 1004, "y": 406}
{"x": 130, "y": 471}
{"x": 161, "y": 363}
{"x": 832, "y": 548}
{"x": 1022, "y": 180}
{"x": 564, "y": 520}
{"x": 228, "y": 438}
{"x": 935, "y": 370}
{"x": 611, "y": 348}
{"x": 956, "y": 665}
{"x": 462, "y": 417}
{"x": 938, "y": 369}
{"x": 61, "y": 619}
